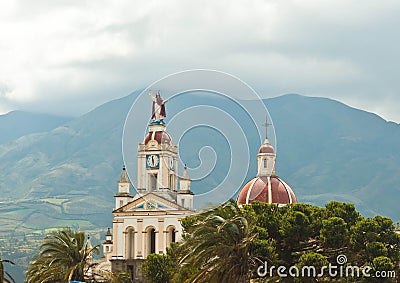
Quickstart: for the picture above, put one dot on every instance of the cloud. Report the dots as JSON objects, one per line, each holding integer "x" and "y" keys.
{"x": 69, "y": 56}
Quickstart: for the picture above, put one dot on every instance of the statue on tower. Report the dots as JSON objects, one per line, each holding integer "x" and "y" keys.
{"x": 158, "y": 110}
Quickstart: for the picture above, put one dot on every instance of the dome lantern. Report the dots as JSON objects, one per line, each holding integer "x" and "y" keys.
{"x": 266, "y": 186}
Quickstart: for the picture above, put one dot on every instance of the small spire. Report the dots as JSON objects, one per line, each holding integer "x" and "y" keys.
{"x": 185, "y": 174}
{"x": 108, "y": 232}
{"x": 124, "y": 176}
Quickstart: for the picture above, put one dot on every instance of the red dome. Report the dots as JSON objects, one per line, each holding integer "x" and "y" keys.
{"x": 266, "y": 148}
{"x": 268, "y": 190}
{"x": 159, "y": 136}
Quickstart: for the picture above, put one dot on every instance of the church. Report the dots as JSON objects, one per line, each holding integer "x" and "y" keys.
{"x": 148, "y": 221}
{"x": 266, "y": 186}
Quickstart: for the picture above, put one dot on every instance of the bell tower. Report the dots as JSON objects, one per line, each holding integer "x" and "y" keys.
{"x": 157, "y": 161}
{"x": 123, "y": 196}
{"x": 185, "y": 196}
{"x": 150, "y": 221}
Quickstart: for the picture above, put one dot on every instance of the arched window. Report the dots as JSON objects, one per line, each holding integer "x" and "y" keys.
{"x": 130, "y": 243}
{"x": 171, "y": 235}
{"x": 265, "y": 163}
{"x": 151, "y": 241}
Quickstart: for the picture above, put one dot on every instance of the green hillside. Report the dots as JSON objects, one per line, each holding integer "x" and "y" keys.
{"x": 66, "y": 176}
{"x": 16, "y": 124}
{"x": 326, "y": 151}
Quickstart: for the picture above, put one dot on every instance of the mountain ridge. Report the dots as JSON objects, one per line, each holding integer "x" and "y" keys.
{"x": 16, "y": 124}
{"x": 68, "y": 174}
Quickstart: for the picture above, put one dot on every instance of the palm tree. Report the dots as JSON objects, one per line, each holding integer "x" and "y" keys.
{"x": 3, "y": 272}
{"x": 64, "y": 256}
{"x": 218, "y": 245}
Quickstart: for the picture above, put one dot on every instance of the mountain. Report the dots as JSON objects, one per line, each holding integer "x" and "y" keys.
{"x": 326, "y": 151}
{"x": 16, "y": 124}
{"x": 64, "y": 177}
{"x": 330, "y": 151}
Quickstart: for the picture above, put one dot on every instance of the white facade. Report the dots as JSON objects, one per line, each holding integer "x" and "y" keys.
{"x": 150, "y": 220}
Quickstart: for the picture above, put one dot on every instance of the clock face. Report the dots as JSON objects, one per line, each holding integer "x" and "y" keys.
{"x": 150, "y": 205}
{"x": 152, "y": 161}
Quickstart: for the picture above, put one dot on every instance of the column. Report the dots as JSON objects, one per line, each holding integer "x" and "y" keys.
{"x": 161, "y": 244}
{"x": 140, "y": 238}
{"x": 160, "y": 175}
{"x": 115, "y": 239}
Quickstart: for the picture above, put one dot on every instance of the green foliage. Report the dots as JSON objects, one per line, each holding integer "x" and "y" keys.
{"x": 381, "y": 265}
{"x": 264, "y": 250}
{"x": 346, "y": 211}
{"x": 376, "y": 249}
{"x": 363, "y": 232}
{"x": 63, "y": 256}
{"x": 309, "y": 265}
{"x": 334, "y": 232}
{"x": 218, "y": 245}
{"x": 158, "y": 268}
{"x": 217, "y": 242}
{"x": 266, "y": 216}
{"x": 120, "y": 277}
{"x": 295, "y": 228}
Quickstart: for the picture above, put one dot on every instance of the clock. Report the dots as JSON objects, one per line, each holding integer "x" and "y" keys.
{"x": 152, "y": 161}
{"x": 150, "y": 205}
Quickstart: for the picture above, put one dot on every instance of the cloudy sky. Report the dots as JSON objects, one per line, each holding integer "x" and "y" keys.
{"x": 66, "y": 57}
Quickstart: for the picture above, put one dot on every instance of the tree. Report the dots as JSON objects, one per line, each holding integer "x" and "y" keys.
{"x": 119, "y": 277}
{"x": 383, "y": 265}
{"x": 371, "y": 231}
{"x": 158, "y": 268}
{"x": 376, "y": 249}
{"x": 295, "y": 228}
{"x": 346, "y": 211}
{"x": 232, "y": 240}
{"x": 218, "y": 245}
{"x": 363, "y": 232}
{"x": 334, "y": 232}
{"x": 64, "y": 256}
{"x": 267, "y": 216}
{"x": 309, "y": 266}
{"x": 3, "y": 273}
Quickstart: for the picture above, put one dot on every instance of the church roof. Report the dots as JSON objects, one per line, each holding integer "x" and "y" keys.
{"x": 266, "y": 189}
{"x": 160, "y": 136}
{"x": 266, "y": 148}
{"x": 163, "y": 205}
